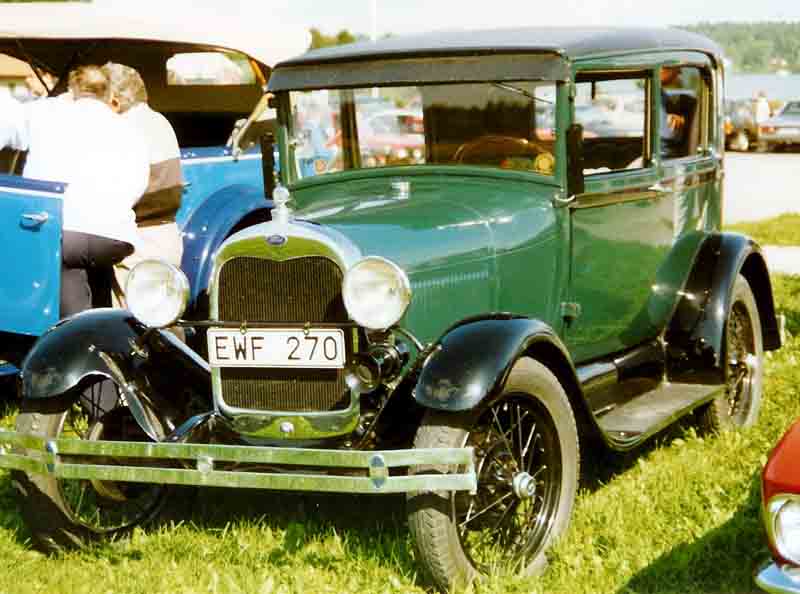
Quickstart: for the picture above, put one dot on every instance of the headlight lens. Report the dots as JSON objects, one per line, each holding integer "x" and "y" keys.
{"x": 787, "y": 530}
{"x": 157, "y": 293}
{"x": 376, "y": 293}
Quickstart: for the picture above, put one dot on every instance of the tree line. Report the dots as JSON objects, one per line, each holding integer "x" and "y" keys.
{"x": 756, "y": 47}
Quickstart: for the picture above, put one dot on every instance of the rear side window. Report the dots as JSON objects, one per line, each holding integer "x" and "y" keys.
{"x": 613, "y": 113}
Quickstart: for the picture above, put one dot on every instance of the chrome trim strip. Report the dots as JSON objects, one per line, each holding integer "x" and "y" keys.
{"x": 644, "y": 191}
{"x": 267, "y": 424}
{"x": 188, "y": 160}
{"x": 375, "y": 463}
{"x": 32, "y": 193}
{"x": 775, "y": 580}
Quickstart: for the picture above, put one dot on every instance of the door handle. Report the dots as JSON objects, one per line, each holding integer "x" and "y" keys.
{"x": 36, "y": 218}
{"x": 658, "y": 188}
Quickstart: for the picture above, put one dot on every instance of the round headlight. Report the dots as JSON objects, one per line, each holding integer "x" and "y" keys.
{"x": 157, "y": 293}
{"x": 376, "y": 293}
{"x": 787, "y": 530}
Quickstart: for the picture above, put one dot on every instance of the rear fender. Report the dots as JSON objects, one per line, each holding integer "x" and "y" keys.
{"x": 696, "y": 332}
{"x": 157, "y": 374}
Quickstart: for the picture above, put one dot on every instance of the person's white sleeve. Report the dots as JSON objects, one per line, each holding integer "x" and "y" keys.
{"x": 13, "y": 124}
{"x": 137, "y": 164}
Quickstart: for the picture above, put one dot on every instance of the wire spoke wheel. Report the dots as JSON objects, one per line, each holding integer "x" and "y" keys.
{"x": 741, "y": 362}
{"x": 739, "y": 403}
{"x": 519, "y": 479}
{"x": 105, "y": 506}
{"x": 525, "y": 442}
{"x": 67, "y": 513}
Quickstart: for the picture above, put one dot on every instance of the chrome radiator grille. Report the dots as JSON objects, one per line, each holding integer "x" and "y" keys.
{"x": 295, "y": 291}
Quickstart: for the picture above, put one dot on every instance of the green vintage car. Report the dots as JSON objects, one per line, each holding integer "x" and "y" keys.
{"x": 452, "y": 316}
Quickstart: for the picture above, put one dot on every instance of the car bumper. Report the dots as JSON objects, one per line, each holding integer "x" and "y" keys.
{"x": 780, "y": 137}
{"x": 288, "y": 469}
{"x": 777, "y": 579}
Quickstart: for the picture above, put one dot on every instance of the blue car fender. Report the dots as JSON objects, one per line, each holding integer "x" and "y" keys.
{"x": 224, "y": 212}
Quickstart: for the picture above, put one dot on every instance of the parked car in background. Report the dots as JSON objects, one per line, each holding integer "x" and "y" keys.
{"x": 395, "y": 136}
{"x": 453, "y": 329}
{"x": 782, "y": 129}
{"x": 203, "y": 77}
{"x": 780, "y": 495}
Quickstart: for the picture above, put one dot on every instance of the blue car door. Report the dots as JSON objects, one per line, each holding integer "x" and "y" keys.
{"x": 30, "y": 234}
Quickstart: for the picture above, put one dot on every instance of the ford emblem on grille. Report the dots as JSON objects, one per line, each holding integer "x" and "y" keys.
{"x": 276, "y": 240}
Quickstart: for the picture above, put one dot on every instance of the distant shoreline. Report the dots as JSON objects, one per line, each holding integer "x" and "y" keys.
{"x": 747, "y": 85}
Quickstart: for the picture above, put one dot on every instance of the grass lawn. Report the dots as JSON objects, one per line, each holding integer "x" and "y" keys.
{"x": 780, "y": 230}
{"x": 681, "y": 516}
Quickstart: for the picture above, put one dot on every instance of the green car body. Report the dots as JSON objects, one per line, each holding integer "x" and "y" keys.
{"x": 530, "y": 256}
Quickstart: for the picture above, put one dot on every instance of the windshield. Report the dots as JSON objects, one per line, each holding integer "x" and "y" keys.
{"x": 508, "y": 125}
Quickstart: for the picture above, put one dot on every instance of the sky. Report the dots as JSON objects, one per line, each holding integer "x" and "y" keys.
{"x": 408, "y": 16}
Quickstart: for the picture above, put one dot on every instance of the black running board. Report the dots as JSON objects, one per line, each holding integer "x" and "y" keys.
{"x": 628, "y": 425}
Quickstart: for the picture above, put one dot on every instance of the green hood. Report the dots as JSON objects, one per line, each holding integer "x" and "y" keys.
{"x": 452, "y": 234}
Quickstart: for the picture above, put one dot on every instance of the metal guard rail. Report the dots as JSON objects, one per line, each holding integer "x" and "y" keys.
{"x": 43, "y": 456}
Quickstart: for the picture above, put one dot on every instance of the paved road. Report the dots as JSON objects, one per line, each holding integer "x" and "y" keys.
{"x": 761, "y": 185}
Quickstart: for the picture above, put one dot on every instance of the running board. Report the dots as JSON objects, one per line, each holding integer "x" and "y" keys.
{"x": 628, "y": 425}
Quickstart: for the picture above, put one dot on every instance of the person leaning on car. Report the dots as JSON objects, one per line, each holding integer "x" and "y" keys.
{"x": 673, "y": 125}
{"x": 76, "y": 138}
{"x": 155, "y": 211}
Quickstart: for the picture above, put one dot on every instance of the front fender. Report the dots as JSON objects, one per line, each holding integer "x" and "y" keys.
{"x": 157, "y": 373}
{"x": 698, "y": 326}
{"x": 211, "y": 223}
{"x": 473, "y": 359}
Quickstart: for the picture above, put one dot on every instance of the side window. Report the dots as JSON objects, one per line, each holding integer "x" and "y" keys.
{"x": 684, "y": 91}
{"x": 613, "y": 113}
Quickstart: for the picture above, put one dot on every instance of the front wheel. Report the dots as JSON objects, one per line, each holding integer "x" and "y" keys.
{"x": 738, "y": 406}
{"x": 68, "y": 513}
{"x": 527, "y": 459}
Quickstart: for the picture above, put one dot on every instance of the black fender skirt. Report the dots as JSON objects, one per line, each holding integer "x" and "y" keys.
{"x": 473, "y": 358}
{"x": 155, "y": 371}
{"x": 696, "y": 333}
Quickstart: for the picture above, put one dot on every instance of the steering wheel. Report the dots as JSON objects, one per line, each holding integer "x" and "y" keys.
{"x": 494, "y": 148}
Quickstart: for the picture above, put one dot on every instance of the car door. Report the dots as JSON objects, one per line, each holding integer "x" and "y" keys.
{"x": 622, "y": 225}
{"x": 30, "y": 227}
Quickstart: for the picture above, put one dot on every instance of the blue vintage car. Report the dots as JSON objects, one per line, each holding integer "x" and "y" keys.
{"x": 207, "y": 79}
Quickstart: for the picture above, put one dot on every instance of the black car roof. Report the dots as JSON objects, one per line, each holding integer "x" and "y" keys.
{"x": 569, "y": 42}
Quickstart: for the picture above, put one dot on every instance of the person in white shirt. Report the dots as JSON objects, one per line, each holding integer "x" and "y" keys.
{"x": 762, "y": 110}
{"x": 156, "y": 210}
{"x": 76, "y": 138}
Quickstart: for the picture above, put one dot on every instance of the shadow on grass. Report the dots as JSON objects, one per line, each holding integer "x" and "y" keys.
{"x": 720, "y": 561}
{"x": 599, "y": 464}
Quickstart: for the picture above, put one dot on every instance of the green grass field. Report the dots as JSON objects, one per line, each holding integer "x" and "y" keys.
{"x": 780, "y": 230}
{"x": 680, "y": 516}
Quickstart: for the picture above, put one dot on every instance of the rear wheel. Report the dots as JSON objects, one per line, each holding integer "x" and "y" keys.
{"x": 738, "y": 406}
{"x": 67, "y": 513}
{"x": 526, "y": 456}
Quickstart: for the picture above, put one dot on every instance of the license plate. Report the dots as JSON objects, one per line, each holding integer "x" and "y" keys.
{"x": 282, "y": 347}
{"x": 788, "y": 131}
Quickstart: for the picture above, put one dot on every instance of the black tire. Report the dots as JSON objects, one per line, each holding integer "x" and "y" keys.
{"x": 532, "y": 409}
{"x": 64, "y": 514}
{"x": 738, "y": 406}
